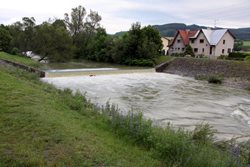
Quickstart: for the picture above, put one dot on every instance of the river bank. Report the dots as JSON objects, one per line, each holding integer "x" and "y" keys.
{"x": 235, "y": 73}
{"x": 44, "y": 126}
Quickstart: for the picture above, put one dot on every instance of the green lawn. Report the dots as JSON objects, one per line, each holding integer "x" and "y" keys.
{"x": 163, "y": 59}
{"x": 40, "y": 126}
{"x": 20, "y": 59}
{"x": 246, "y": 43}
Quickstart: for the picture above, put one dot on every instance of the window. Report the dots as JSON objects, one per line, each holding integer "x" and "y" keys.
{"x": 183, "y": 49}
{"x": 203, "y": 50}
{"x": 201, "y": 40}
{"x": 178, "y": 48}
{"x": 224, "y": 41}
{"x": 178, "y": 41}
{"x": 211, "y": 50}
{"x": 192, "y": 40}
{"x": 195, "y": 49}
{"x": 229, "y": 50}
{"x": 223, "y": 51}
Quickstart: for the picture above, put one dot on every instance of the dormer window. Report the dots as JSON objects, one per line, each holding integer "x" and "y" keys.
{"x": 178, "y": 41}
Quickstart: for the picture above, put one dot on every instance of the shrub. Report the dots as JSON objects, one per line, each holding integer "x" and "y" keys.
{"x": 140, "y": 62}
{"x": 178, "y": 54}
{"x": 215, "y": 79}
{"x": 248, "y": 88}
{"x": 203, "y": 133}
{"x": 247, "y": 58}
{"x": 200, "y": 77}
{"x": 189, "y": 51}
{"x": 237, "y": 55}
{"x": 223, "y": 57}
{"x": 15, "y": 51}
{"x": 75, "y": 101}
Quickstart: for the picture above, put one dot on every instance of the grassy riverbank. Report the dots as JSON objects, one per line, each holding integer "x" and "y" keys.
{"x": 20, "y": 59}
{"x": 43, "y": 126}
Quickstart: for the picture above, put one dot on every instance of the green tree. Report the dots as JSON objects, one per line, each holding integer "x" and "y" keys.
{"x": 75, "y": 22}
{"x": 238, "y": 45}
{"x": 5, "y": 39}
{"x": 52, "y": 42}
{"x": 101, "y": 46}
{"x": 140, "y": 44}
{"x": 83, "y": 29}
{"x": 189, "y": 51}
{"x": 22, "y": 33}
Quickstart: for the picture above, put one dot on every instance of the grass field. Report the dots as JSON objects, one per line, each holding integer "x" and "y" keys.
{"x": 246, "y": 43}
{"x": 163, "y": 59}
{"x": 20, "y": 59}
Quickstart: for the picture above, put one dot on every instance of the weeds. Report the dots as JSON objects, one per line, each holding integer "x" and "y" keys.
{"x": 173, "y": 147}
{"x": 214, "y": 79}
{"x": 200, "y": 77}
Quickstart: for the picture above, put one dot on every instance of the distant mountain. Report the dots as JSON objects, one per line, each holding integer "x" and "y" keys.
{"x": 169, "y": 30}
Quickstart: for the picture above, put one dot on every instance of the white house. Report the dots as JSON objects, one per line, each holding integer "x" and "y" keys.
{"x": 208, "y": 42}
{"x": 166, "y": 42}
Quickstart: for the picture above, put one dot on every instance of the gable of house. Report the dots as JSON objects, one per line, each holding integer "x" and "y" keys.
{"x": 204, "y": 41}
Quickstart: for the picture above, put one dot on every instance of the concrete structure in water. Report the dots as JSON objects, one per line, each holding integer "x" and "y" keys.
{"x": 205, "y": 42}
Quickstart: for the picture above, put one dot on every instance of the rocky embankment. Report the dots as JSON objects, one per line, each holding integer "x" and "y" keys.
{"x": 236, "y": 74}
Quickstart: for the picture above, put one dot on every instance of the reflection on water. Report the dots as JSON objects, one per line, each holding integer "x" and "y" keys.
{"x": 169, "y": 98}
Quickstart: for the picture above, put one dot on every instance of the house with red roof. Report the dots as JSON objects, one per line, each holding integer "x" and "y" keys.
{"x": 206, "y": 42}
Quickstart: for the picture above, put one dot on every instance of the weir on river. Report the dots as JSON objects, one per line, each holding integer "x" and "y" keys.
{"x": 182, "y": 101}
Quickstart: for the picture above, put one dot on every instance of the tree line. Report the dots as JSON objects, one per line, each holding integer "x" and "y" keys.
{"x": 80, "y": 36}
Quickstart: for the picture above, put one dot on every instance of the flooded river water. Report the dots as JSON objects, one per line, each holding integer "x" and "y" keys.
{"x": 182, "y": 101}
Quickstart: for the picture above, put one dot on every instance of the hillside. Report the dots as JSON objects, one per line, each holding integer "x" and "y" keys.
{"x": 170, "y": 30}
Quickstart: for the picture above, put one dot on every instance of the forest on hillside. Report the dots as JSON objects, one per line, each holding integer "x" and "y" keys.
{"x": 170, "y": 30}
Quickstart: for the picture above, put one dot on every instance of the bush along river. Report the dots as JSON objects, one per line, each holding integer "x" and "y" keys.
{"x": 166, "y": 98}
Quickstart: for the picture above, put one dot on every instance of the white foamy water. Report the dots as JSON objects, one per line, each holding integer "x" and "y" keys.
{"x": 182, "y": 101}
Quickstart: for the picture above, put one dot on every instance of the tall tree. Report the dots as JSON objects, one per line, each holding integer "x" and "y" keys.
{"x": 5, "y": 39}
{"x": 23, "y": 33}
{"x": 52, "y": 42}
{"x": 28, "y": 33}
{"x": 75, "y": 22}
{"x": 83, "y": 28}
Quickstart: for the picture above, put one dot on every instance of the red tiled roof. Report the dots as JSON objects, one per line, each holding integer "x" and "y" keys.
{"x": 186, "y": 34}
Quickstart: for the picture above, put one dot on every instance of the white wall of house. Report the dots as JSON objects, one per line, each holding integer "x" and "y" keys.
{"x": 178, "y": 46}
{"x": 165, "y": 43}
{"x": 200, "y": 45}
{"x": 225, "y": 45}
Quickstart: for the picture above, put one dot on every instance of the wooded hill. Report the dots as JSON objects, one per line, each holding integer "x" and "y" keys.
{"x": 170, "y": 30}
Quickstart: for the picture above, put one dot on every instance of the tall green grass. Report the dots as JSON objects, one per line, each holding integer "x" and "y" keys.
{"x": 173, "y": 147}
{"x": 20, "y": 59}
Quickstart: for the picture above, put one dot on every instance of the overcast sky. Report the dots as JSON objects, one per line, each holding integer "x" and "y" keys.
{"x": 118, "y": 15}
